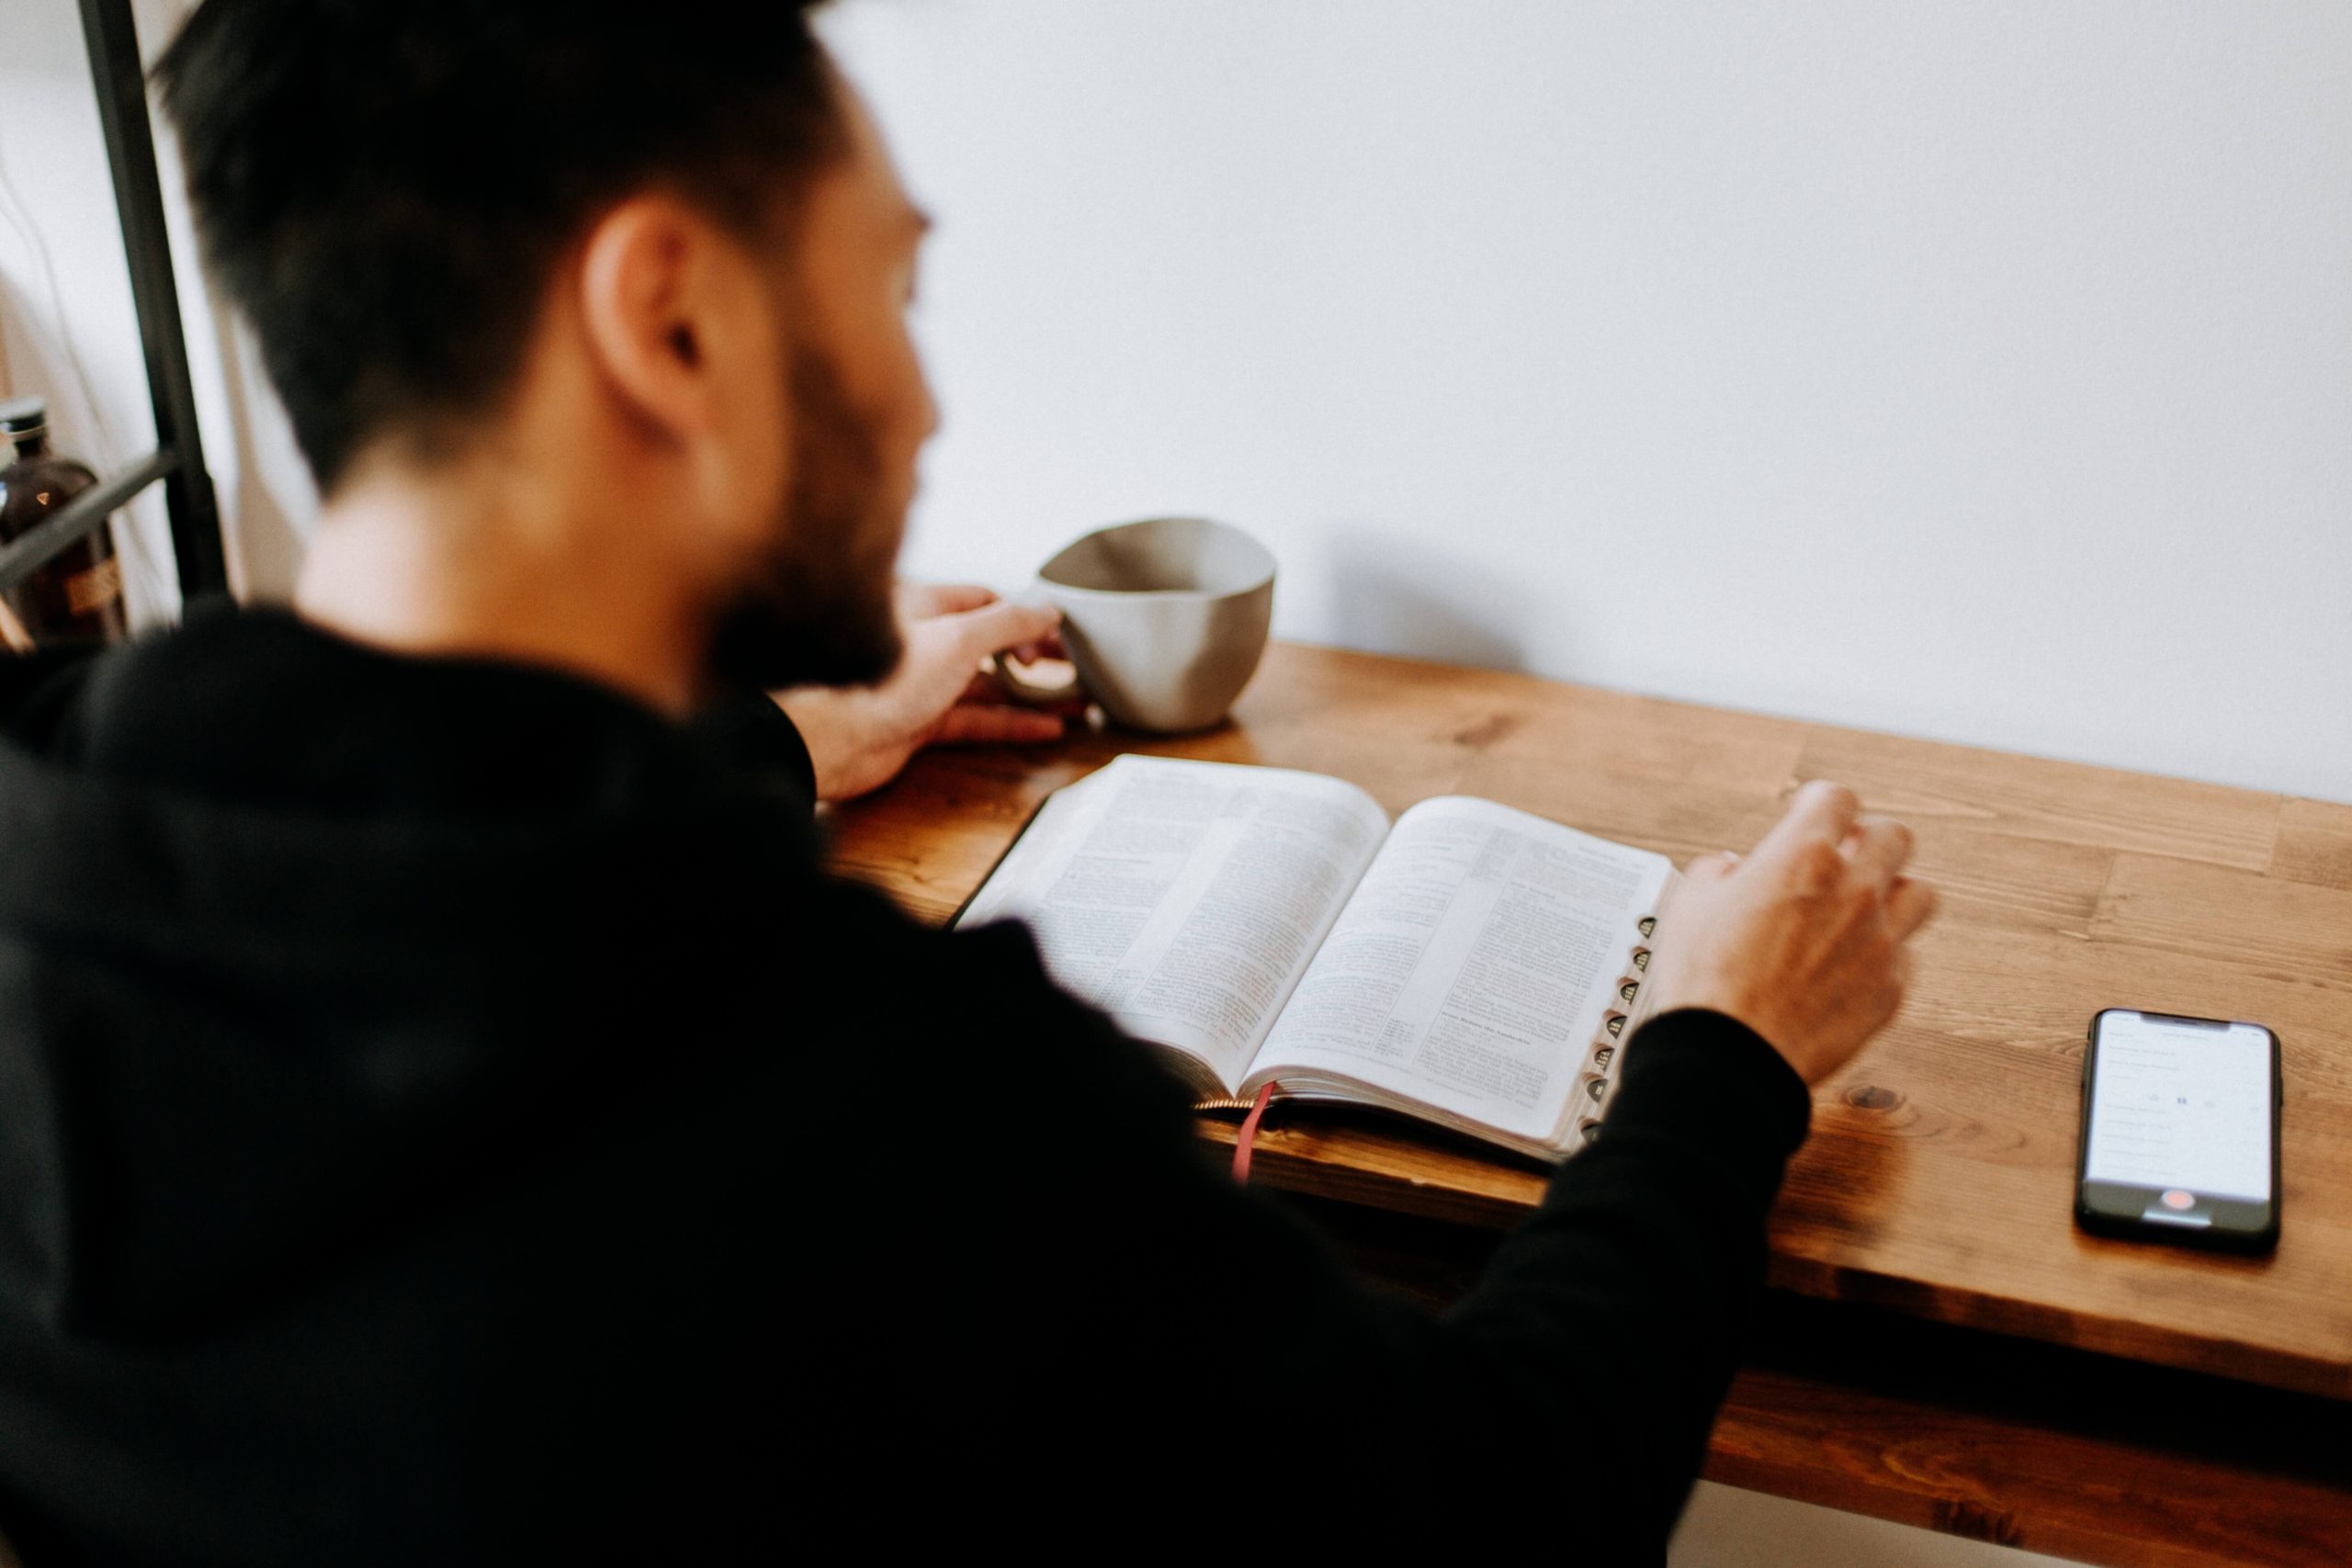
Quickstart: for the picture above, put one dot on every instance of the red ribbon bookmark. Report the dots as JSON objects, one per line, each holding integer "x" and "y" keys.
{"x": 1247, "y": 1139}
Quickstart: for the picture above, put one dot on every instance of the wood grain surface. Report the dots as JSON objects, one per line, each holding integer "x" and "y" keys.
{"x": 1939, "y": 1178}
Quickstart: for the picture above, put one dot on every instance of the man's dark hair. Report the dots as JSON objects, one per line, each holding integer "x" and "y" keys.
{"x": 384, "y": 186}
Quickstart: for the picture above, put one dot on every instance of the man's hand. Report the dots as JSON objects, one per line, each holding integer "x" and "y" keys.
{"x": 859, "y": 736}
{"x": 1803, "y": 940}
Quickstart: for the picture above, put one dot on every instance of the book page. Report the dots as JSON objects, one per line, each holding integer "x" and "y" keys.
{"x": 1185, "y": 899}
{"x": 1479, "y": 957}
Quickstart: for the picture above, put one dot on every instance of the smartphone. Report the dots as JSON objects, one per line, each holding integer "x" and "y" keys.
{"x": 2180, "y": 1131}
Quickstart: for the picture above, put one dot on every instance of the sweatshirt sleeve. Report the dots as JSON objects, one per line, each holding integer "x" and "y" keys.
{"x": 752, "y": 733}
{"x": 1616, "y": 1312}
{"x": 1578, "y": 1379}
{"x": 1585, "y": 1369}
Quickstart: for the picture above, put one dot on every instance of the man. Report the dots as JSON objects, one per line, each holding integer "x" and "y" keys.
{"x": 450, "y": 1118}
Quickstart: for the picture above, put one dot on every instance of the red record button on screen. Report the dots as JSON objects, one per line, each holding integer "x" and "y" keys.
{"x": 2176, "y": 1199}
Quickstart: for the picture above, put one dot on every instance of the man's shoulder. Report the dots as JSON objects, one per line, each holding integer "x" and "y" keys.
{"x": 974, "y": 1008}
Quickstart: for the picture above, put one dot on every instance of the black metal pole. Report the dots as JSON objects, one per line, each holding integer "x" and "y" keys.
{"x": 115, "y": 70}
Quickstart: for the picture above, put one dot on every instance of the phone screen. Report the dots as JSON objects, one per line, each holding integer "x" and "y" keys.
{"x": 2181, "y": 1104}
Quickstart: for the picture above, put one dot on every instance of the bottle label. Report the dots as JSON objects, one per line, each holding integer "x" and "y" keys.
{"x": 92, "y": 590}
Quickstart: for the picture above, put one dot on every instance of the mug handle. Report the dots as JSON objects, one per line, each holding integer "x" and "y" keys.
{"x": 1029, "y": 691}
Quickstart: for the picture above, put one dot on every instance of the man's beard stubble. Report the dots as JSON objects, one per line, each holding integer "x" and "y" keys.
{"x": 818, "y": 611}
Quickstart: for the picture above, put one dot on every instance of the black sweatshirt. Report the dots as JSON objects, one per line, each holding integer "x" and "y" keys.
{"x": 446, "y": 1115}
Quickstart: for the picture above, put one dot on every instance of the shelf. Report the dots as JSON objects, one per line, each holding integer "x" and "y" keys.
{"x": 120, "y": 82}
{"x": 87, "y": 513}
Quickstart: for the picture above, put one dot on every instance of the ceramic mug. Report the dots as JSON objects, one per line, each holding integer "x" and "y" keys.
{"x": 1165, "y": 620}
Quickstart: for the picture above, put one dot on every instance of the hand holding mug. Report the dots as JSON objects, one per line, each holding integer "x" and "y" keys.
{"x": 859, "y": 736}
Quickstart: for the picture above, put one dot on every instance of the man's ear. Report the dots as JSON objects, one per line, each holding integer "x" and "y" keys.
{"x": 650, "y": 296}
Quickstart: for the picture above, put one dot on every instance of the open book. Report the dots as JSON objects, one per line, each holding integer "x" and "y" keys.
{"x": 1472, "y": 964}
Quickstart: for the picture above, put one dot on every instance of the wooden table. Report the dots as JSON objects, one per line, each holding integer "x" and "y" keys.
{"x": 1942, "y": 1345}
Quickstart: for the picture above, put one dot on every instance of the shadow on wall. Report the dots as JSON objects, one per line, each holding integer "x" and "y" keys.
{"x": 1392, "y": 595}
{"x": 33, "y": 364}
{"x": 265, "y": 543}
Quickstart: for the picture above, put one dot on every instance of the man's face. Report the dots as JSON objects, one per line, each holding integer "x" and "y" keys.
{"x": 816, "y": 606}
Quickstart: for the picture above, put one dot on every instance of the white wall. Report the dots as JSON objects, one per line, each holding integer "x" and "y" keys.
{"x": 1978, "y": 370}
{"x": 1975, "y": 370}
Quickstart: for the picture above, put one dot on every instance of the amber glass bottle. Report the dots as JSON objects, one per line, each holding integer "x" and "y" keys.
{"x": 77, "y": 595}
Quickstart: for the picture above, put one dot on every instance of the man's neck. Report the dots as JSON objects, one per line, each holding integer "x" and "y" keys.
{"x": 443, "y": 567}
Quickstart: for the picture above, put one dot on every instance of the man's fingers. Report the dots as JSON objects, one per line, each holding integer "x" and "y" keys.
{"x": 920, "y": 601}
{"x": 1822, "y": 812}
{"x": 1007, "y": 623}
{"x": 1879, "y": 846}
{"x": 1909, "y": 903}
{"x": 983, "y": 724}
{"x": 1044, "y": 648}
{"x": 984, "y": 687}
{"x": 1712, "y": 868}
